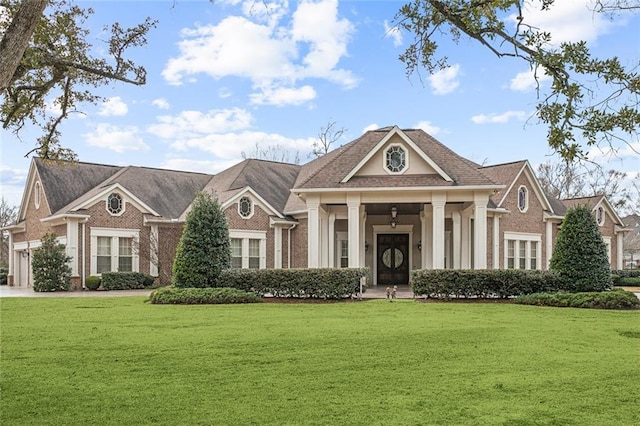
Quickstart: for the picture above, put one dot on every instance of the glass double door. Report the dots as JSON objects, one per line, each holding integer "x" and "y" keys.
{"x": 392, "y": 259}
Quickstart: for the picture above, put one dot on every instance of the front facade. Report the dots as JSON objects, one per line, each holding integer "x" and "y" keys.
{"x": 392, "y": 200}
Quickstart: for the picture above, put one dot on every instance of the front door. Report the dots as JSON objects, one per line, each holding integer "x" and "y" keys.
{"x": 393, "y": 259}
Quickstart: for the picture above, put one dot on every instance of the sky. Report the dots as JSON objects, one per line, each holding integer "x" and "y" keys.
{"x": 230, "y": 77}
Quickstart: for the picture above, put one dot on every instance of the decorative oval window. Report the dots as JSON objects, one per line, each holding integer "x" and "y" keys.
{"x": 523, "y": 199}
{"x": 114, "y": 203}
{"x": 600, "y": 216}
{"x": 396, "y": 159}
{"x": 244, "y": 207}
{"x": 392, "y": 262}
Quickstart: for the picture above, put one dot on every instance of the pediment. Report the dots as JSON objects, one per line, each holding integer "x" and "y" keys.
{"x": 396, "y": 155}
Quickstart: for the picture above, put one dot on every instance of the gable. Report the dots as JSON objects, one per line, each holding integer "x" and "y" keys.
{"x": 414, "y": 163}
{"x": 526, "y": 178}
{"x": 396, "y": 139}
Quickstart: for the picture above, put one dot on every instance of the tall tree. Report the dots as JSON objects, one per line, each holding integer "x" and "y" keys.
{"x": 45, "y": 56}
{"x": 204, "y": 250}
{"x": 327, "y": 136}
{"x": 595, "y": 100}
{"x": 8, "y": 214}
{"x": 570, "y": 180}
{"x": 580, "y": 253}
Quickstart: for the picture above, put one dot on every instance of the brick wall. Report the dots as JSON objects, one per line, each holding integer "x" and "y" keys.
{"x": 258, "y": 222}
{"x": 168, "y": 238}
{"x": 299, "y": 257}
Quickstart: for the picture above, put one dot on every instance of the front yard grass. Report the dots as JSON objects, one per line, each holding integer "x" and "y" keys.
{"x": 119, "y": 361}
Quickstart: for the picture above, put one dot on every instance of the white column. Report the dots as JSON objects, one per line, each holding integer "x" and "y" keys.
{"x": 353, "y": 216}
{"x": 72, "y": 246}
{"x": 277, "y": 247}
{"x": 549, "y": 243}
{"x": 620, "y": 251}
{"x": 465, "y": 249}
{"x": 438, "y": 202}
{"x": 496, "y": 241}
{"x": 313, "y": 237}
{"x": 480, "y": 230}
{"x": 324, "y": 238}
{"x": 427, "y": 236}
{"x": 332, "y": 240}
{"x": 363, "y": 223}
{"x": 455, "y": 219}
{"x": 11, "y": 254}
{"x": 153, "y": 251}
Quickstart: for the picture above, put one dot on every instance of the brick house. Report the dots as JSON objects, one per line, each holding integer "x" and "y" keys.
{"x": 392, "y": 200}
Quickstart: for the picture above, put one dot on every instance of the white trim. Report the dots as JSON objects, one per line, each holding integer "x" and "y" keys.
{"x": 115, "y": 234}
{"x": 406, "y": 159}
{"x": 602, "y": 220}
{"x": 102, "y": 196}
{"x": 251, "y": 208}
{"x": 245, "y": 236}
{"x": 527, "y": 237}
{"x": 532, "y": 179}
{"x": 154, "y": 237}
{"x": 37, "y": 189}
{"x": 607, "y": 242}
{"x": 387, "y": 229}
{"x": 268, "y": 208}
{"x": 123, "y": 204}
{"x": 526, "y": 199}
{"x": 395, "y": 189}
{"x": 396, "y": 131}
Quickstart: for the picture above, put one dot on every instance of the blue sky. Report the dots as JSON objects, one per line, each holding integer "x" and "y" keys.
{"x": 226, "y": 77}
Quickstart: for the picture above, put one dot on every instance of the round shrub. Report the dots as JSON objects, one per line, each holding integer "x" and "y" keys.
{"x": 580, "y": 254}
{"x": 92, "y": 282}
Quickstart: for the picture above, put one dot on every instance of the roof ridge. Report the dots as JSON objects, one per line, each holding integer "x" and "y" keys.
{"x": 503, "y": 164}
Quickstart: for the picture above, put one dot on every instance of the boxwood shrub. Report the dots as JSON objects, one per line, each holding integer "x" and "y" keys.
{"x": 3, "y": 275}
{"x": 92, "y": 282}
{"x": 630, "y": 281}
{"x": 449, "y": 283}
{"x": 616, "y": 299}
{"x": 199, "y": 296}
{"x": 126, "y": 280}
{"x": 325, "y": 283}
{"x": 627, "y": 273}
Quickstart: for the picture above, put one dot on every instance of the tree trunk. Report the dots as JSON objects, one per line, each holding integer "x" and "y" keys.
{"x": 17, "y": 38}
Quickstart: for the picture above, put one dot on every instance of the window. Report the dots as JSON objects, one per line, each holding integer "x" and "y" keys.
{"x": 344, "y": 253}
{"x": 36, "y": 195}
{"x": 248, "y": 249}
{"x": 523, "y": 199}
{"x": 522, "y": 250}
{"x": 125, "y": 254}
{"x": 113, "y": 250}
{"x": 395, "y": 159}
{"x": 245, "y": 207}
{"x": 104, "y": 255}
{"x": 236, "y": 253}
{"x": 600, "y": 216}
{"x": 511, "y": 254}
{"x": 114, "y": 204}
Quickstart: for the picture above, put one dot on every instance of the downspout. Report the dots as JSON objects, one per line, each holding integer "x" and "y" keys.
{"x": 289, "y": 245}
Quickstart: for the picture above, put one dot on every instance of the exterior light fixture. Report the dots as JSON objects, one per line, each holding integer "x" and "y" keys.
{"x": 420, "y": 245}
{"x": 366, "y": 246}
{"x": 394, "y": 217}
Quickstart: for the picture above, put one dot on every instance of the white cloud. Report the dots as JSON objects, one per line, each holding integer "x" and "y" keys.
{"x": 270, "y": 55}
{"x": 161, "y": 103}
{"x": 113, "y": 107}
{"x": 629, "y": 150}
{"x": 499, "y": 118}
{"x": 118, "y": 139}
{"x": 567, "y": 20}
{"x": 526, "y": 81}
{"x": 284, "y": 96}
{"x": 446, "y": 80}
{"x": 12, "y": 182}
{"x": 393, "y": 33}
{"x": 189, "y": 124}
{"x": 372, "y": 126}
{"x": 428, "y": 127}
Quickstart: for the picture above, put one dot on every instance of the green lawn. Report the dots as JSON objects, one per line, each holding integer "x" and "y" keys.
{"x": 119, "y": 361}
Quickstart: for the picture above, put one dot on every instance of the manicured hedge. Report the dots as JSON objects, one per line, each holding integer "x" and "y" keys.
{"x": 484, "y": 283}
{"x": 199, "y": 296}
{"x": 616, "y": 299}
{"x": 630, "y": 281}
{"x": 325, "y": 283}
{"x": 126, "y": 280}
{"x": 627, "y": 273}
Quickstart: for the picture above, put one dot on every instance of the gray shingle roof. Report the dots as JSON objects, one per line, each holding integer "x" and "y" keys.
{"x": 63, "y": 181}
{"x": 329, "y": 170}
{"x": 503, "y": 174}
{"x": 270, "y": 179}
